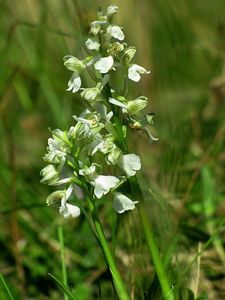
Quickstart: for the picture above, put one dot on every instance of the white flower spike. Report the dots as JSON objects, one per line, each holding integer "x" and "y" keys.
{"x": 79, "y": 155}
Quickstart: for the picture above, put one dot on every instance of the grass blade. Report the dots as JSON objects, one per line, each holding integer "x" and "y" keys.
{"x": 63, "y": 288}
{"x": 2, "y": 280}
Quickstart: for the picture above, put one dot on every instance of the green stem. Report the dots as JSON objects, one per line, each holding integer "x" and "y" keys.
{"x": 118, "y": 282}
{"x": 62, "y": 254}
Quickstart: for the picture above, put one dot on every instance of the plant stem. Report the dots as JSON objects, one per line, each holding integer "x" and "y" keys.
{"x": 64, "y": 274}
{"x": 118, "y": 282}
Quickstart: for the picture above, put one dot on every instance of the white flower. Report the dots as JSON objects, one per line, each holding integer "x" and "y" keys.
{"x": 95, "y": 28}
{"x": 93, "y": 44}
{"x": 57, "y": 148}
{"x": 121, "y": 203}
{"x": 77, "y": 66}
{"x": 69, "y": 210}
{"x": 103, "y": 184}
{"x": 104, "y": 64}
{"x": 130, "y": 163}
{"x": 74, "y": 83}
{"x": 134, "y": 72}
{"x": 51, "y": 158}
{"x": 66, "y": 209}
{"x": 111, "y": 10}
{"x": 115, "y": 32}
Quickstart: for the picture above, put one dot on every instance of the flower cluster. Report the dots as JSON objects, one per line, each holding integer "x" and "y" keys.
{"x": 75, "y": 156}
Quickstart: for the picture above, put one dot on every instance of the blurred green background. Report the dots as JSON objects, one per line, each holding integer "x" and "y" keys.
{"x": 183, "y": 44}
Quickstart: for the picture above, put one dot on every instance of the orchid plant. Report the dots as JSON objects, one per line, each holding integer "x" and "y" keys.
{"x": 74, "y": 157}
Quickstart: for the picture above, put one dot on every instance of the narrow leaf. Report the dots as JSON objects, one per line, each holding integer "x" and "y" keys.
{"x": 2, "y": 280}
{"x": 63, "y": 288}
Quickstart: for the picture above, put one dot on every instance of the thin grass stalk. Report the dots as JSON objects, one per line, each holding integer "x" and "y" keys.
{"x": 155, "y": 255}
{"x": 6, "y": 287}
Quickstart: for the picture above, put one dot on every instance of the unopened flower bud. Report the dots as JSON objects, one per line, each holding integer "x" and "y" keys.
{"x": 91, "y": 94}
{"x": 95, "y": 28}
{"x": 128, "y": 55}
{"x": 73, "y": 64}
{"x": 50, "y": 175}
{"x": 135, "y": 106}
{"x": 114, "y": 156}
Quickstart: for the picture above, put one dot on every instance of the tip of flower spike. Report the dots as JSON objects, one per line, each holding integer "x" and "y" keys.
{"x": 112, "y": 10}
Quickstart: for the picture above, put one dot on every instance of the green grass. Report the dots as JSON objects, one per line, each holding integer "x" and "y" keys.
{"x": 183, "y": 46}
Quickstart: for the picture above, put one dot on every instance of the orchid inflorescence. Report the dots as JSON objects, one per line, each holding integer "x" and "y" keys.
{"x": 74, "y": 156}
